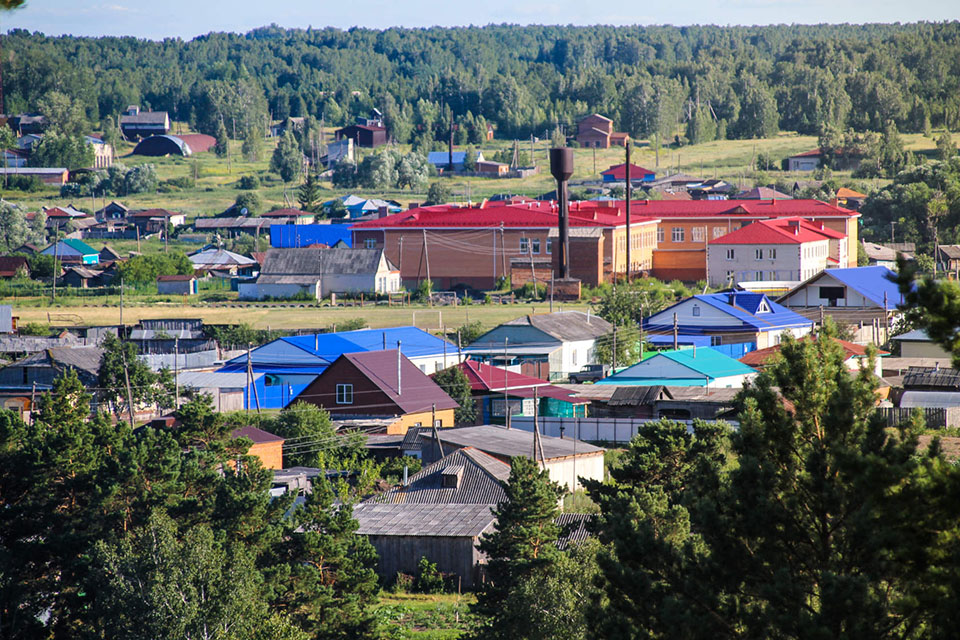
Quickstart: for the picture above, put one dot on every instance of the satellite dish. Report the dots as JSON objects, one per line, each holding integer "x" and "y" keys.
{"x": 243, "y": 211}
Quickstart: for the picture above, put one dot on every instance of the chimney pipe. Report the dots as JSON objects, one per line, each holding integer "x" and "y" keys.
{"x": 561, "y": 166}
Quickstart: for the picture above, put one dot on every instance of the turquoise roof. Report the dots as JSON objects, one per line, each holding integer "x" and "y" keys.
{"x": 703, "y": 364}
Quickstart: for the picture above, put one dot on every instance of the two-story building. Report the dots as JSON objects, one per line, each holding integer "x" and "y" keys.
{"x": 781, "y": 250}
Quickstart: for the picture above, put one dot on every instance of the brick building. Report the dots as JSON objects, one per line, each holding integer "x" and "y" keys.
{"x": 474, "y": 246}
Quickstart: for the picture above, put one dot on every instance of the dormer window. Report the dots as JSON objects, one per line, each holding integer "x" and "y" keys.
{"x": 763, "y": 307}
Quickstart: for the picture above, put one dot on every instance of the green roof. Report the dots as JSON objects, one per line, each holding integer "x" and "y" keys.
{"x": 703, "y": 363}
{"x": 79, "y": 245}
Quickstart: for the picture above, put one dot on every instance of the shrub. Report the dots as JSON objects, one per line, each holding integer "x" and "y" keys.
{"x": 248, "y": 183}
{"x": 402, "y": 582}
{"x": 429, "y": 579}
{"x": 29, "y": 184}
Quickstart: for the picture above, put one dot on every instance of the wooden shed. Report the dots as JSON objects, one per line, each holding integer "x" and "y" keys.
{"x": 446, "y": 534}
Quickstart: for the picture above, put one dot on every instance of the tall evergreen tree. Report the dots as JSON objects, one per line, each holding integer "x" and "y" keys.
{"x": 222, "y": 146}
{"x": 522, "y": 546}
{"x": 308, "y": 195}
{"x": 455, "y": 382}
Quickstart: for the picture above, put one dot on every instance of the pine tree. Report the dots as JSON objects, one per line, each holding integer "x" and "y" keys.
{"x": 522, "y": 545}
{"x": 308, "y": 195}
{"x": 454, "y": 381}
{"x": 822, "y": 523}
{"x": 222, "y": 146}
{"x": 252, "y": 147}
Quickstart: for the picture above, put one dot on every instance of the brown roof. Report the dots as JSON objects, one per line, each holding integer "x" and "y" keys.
{"x": 259, "y": 436}
{"x": 154, "y": 213}
{"x": 176, "y": 278}
{"x": 198, "y": 141}
{"x": 763, "y": 356}
{"x": 285, "y": 213}
{"x": 417, "y": 391}
{"x": 9, "y": 265}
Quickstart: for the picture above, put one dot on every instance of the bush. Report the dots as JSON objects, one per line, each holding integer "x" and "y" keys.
{"x": 392, "y": 469}
{"x": 27, "y": 184}
{"x": 429, "y": 579}
{"x": 34, "y": 329}
{"x": 248, "y": 183}
{"x": 532, "y": 290}
{"x": 249, "y": 201}
{"x": 424, "y": 291}
{"x": 402, "y": 582}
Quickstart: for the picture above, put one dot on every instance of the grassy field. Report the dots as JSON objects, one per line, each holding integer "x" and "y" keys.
{"x": 288, "y": 316}
{"x": 216, "y": 190}
{"x": 424, "y": 617}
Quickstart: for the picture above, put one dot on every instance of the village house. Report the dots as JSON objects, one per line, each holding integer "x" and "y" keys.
{"x": 102, "y": 152}
{"x": 177, "y": 285}
{"x": 222, "y": 262}
{"x": 782, "y": 249}
{"x": 20, "y": 381}
{"x": 855, "y": 356}
{"x": 806, "y": 161}
{"x": 750, "y": 320}
{"x": 464, "y": 476}
{"x": 135, "y": 124}
{"x": 704, "y": 367}
{"x": 112, "y": 211}
{"x": 291, "y": 363}
{"x": 494, "y": 388}
{"x": 319, "y": 272}
{"x": 70, "y": 250}
{"x": 155, "y": 220}
{"x": 366, "y": 136}
{"x": 227, "y": 391}
{"x": 14, "y": 267}
{"x": 597, "y": 131}
{"x": 638, "y": 175}
{"x": 267, "y": 447}
{"x": 378, "y": 384}
{"x": 862, "y": 298}
{"x": 57, "y": 176}
{"x": 549, "y": 346}
{"x": 441, "y": 160}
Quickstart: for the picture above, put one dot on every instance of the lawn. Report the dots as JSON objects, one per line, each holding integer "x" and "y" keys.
{"x": 424, "y": 617}
{"x": 288, "y": 316}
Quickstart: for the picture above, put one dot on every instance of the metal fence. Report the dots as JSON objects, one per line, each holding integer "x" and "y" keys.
{"x": 936, "y": 417}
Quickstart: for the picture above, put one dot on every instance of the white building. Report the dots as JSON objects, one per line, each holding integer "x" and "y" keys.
{"x": 320, "y": 272}
{"x": 781, "y": 250}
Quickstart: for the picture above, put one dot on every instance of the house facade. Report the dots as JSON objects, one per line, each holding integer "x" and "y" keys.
{"x": 135, "y": 124}
{"x": 381, "y": 384}
{"x": 597, "y": 131}
{"x": 320, "y": 272}
{"x": 365, "y": 136}
{"x": 784, "y": 249}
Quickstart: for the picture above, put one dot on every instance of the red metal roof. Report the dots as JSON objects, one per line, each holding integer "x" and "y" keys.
{"x": 779, "y": 231}
{"x": 486, "y": 378}
{"x": 543, "y": 214}
{"x": 619, "y": 172}
{"x": 807, "y": 154}
{"x": 198, "y": 142}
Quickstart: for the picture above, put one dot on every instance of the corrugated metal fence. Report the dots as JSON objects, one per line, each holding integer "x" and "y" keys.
{"x": 936, "y": 417}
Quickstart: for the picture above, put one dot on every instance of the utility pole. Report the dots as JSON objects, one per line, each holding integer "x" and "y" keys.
{"x": 176, "y": 370}
{"x": 121, "y": 302}
{"x": 506, "y": 385}
{"x": 56, "y": 257}
{"x": 676, "y": 329}
{"x": 629, "y": 194}
{"x": 126, "y": 379}
{"x": 614, "y": 348}
{"x": 433, "y": 423}
{"x": 426, "y": 255}
{"x": 256, "y": 393}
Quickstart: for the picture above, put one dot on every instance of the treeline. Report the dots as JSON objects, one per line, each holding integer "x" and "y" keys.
{"x": 698, "y": 83}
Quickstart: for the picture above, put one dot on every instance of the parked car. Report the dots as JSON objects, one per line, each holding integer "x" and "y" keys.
{"x": 590, "y": 373}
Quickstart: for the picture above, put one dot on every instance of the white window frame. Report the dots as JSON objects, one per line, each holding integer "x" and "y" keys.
{"x": 549, "y": 246}
{"x": 698, "y": 234}
{"x": 524, "y": 245}
{"x": 717, "y": 232}
{"x": 535, "y": 243}
{"x": 370, "y": 243}
{"x": 678, "y": 234}
{"x": 344, "y": 393}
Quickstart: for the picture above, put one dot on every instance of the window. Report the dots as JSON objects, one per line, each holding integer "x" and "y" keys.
{"x": 730, "y": 254}
{"x": 717, "y": 232}
{"x": 536, "y": 244}
{"x": 438, "y": 422}
{"x": 758, "y": 253}
{"x": 549, "y": 246}
{"x": 715, "y": 341}
{"x": 698, "y": 234}
{"x": 369, "y": 243}
{"x": 696, "y": 310}
{"x": 772, "y": 254}
{"x": 677, "y": 234}
{"x": 659, "y": 234}
{"x": 524, "y": 245}
{"x": 344, "y": 394}
{"x": 729, "y": 275}
{"x": 758, "y": 275}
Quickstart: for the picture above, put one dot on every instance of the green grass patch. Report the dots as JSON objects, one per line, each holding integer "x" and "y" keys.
{"x": 425, "y": 617}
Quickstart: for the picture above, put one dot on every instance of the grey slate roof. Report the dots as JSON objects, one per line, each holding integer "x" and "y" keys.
{"x": 219, "y": 257}
{"x": 635, "y": 396}
{"x": 917, "y": 335}
{"x": 932, "y": 378}
{"x": 144, "y": 117}
{"x": 318, "y": 261}
{"x": 479, "y": 483}
{"x": 503, "y": 442}
{"x": 433, "y": 520}
{"x": 215, "y": 379}
{"x": 566, "y": 326}
{"x": 573, "y": 528}
{"x": 83, "y": 358}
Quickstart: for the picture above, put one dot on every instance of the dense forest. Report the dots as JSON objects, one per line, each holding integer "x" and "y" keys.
{"x": 701, "y": 82}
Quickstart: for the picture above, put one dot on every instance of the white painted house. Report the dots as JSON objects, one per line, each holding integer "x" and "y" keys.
{"x": 320, "y": 272}
{"x": 782, "y": 250}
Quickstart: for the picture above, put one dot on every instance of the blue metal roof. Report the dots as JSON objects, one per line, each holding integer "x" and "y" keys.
{"x": 314, "y": 353}
{"x": 287, "y": 236}
{"x": 443, "y": 157}
{"x": 742, "y": 307}
{"x": 704, "y": 364}
{"x": 871, "y": 283}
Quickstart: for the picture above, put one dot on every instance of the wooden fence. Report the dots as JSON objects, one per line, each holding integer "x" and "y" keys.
{"x": 936, "y": 417}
